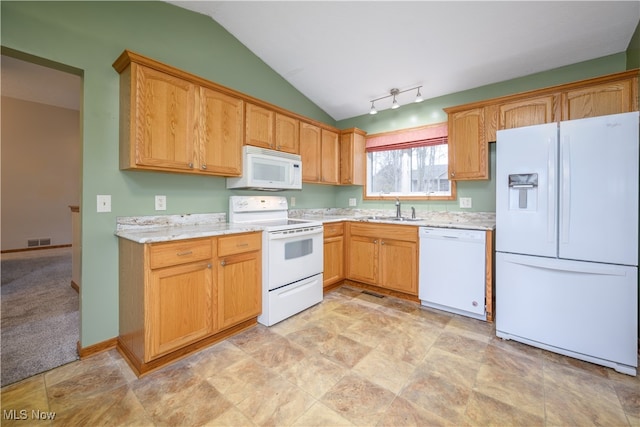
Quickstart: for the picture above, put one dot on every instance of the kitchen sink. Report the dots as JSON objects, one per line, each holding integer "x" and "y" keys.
{"x": 390, "y": 218}
{"x": 404, "y": 218}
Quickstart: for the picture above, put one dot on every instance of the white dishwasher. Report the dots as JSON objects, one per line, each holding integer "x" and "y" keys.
{"x": 452, "y": 270}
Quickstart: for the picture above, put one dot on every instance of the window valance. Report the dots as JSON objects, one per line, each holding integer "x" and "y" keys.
{"x": 408, "y": 138}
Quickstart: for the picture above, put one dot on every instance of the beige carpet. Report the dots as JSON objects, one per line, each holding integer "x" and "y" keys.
{"x": 39, "y": 311}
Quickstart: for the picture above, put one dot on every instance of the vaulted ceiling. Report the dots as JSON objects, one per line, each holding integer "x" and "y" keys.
{"x": 342, "y": 54}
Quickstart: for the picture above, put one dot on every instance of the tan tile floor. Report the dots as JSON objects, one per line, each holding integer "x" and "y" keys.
{"x": 355, "y": 359}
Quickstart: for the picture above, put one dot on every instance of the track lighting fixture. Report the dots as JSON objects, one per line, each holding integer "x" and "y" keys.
{"x": 393, "y": 93}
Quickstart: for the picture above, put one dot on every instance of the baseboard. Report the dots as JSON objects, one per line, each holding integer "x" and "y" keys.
{"x": 38, "y": 248}
{"x": 92, "y": 350}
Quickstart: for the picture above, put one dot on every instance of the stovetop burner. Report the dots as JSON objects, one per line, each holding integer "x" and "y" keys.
{"x": 270, "y": 212}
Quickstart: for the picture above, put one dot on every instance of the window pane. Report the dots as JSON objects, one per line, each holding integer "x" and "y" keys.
{"x": 420, "y": 171}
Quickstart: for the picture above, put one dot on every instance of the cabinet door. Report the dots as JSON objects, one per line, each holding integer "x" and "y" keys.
{"x": 333, "y": 260}
{"x": 310, "y": 143}
{"x": 599, "y": 100}
{"x": 468, "y": 148}
{"x": 352, "y": 158}
{"x": 239, "y": 288}
{"x": 398, "y": 266}
{"x": 287, "y": 134}
{"x": 221, "y": 127}
{"x": 362, "y": 264}
{"x": 330, "y": 168}
{"x": 528, "y": 112}
{"x": 179, "y": 308}
{"x": 259, "y": 125}
{"x": 164, "y": 116}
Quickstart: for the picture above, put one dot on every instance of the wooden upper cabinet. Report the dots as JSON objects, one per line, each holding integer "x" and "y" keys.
{"x": 310, "y": 143}
{"x": 472, "y": 125}
{"x": 157, "y": 120}
{"x": 259, "y": 126}
{"x": 330, "y": 168}
{"x": 287, "y": 134}
{"x": 528, "y": 112}
{"x": 172, "y": 121}
{"x": 600, "y": 100}
{"x": 320, "y": 152}
{"x": 221, "y": 133}
{"x": 353, "y": 159}
{"x": 468, "y": 146}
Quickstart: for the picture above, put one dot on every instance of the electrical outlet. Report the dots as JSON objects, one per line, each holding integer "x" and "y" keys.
{"x": 161, "y": 203}
{"x": 465, "y": 202}
{"x": 293, "y": 201}
{"x": 104, "y": 203}
{"x": 352, "y": 201}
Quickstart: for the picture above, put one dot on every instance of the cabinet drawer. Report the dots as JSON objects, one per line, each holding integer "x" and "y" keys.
{"x": 333, "y": 229}
{"x": 181, "y": 252}
{"x": 238, "y": 243}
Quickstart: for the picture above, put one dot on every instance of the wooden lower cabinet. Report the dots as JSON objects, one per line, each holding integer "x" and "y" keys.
{"x": 177, "y": 297}
{"x": 180, "y": 307}
{"x": 333, "y": 254}
{"x": 239, "y": 279}
{"x": 383, "y": 255}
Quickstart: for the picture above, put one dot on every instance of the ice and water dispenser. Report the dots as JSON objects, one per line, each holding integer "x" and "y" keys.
{"x": 523, "y": 191}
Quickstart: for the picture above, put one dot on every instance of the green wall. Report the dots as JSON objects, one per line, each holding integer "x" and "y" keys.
{"x": 88, "y": 36}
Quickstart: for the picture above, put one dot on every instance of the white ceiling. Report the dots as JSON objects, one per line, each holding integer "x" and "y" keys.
{"x": 342, "y": 54}
{"x": 37, "y": 83}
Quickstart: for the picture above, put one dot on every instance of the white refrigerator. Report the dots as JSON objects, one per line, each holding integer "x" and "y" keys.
{"x": 567, "y": 238}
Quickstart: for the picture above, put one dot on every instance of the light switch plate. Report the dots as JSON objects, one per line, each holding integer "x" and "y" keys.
{"x": 161, "y": 203}
{"x": 293, "y": 201}
{"x": 352, "y": 201}
{"x": 465, "y": 202}
{"x": 104, "y": 203}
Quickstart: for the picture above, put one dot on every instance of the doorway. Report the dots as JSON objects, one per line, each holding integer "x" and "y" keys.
{"x": 41, "y": 182}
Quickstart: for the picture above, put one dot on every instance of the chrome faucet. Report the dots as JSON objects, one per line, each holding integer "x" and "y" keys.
{"x": 398, "y": 213}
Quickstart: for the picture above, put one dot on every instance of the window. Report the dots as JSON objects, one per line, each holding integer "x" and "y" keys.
{"x": 409, "y": 164}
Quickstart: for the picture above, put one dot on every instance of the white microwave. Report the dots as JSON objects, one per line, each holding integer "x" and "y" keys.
{"x": 268, "y": 170}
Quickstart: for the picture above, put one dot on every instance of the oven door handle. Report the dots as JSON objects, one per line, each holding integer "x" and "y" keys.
{"x": 278, "y": 235}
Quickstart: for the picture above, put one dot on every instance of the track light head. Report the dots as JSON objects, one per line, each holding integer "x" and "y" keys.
{"x": 393, "y": 93}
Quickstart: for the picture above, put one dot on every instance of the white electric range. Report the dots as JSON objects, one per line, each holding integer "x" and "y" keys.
{"x": 292, "y": 255}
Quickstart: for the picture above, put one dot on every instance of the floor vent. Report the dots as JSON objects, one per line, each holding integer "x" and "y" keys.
{"x": 33, "y": 242}
{"x": 373, "y": 294}
{"x": 45, "y": 242}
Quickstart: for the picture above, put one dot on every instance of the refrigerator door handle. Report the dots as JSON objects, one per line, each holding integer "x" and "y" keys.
{"x": 565, "y": 192}
{"x": 551, "y": 201}
{"x": 582, "y": 268}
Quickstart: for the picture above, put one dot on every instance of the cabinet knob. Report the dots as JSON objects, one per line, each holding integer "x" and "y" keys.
{"x": 204, "y": 167}
{"x": 382, "y": 242}
{"x": 223, "y": 263}
{"x": 191, "y": 165}
{"x": 209, "y": 265}
{"x": 453, "y": 174}
{"x": 375, "y": 241}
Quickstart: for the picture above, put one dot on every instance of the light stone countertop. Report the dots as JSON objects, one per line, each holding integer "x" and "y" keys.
{"x": 441, "y": 219}
{"x": 165, "y": 228}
